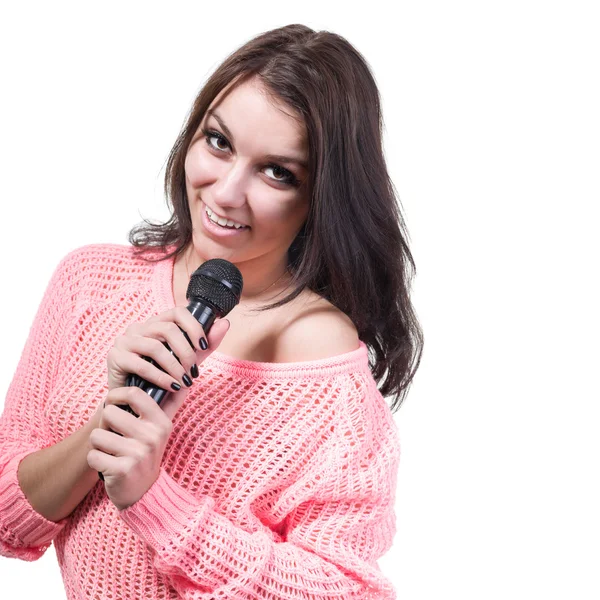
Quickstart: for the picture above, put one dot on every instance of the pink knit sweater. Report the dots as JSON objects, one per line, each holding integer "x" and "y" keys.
{"x": 278, "y": 480}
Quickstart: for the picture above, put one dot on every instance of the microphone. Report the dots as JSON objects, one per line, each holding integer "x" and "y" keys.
{"x": 214, "y": 290}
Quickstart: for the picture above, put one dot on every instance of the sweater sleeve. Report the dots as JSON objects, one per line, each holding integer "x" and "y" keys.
{"x": 24, "y": 533}
{"x": 330, "y": 544}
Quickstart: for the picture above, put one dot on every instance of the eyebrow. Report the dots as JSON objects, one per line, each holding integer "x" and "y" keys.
{"x": 275, "y": 157}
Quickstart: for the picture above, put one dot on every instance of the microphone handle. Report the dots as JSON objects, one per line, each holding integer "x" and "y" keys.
{"x": 155, "y": 392}
{"x": 206, "y": 316}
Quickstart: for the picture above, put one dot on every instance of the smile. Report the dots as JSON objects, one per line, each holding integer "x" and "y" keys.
{"x": 222, "y": 220}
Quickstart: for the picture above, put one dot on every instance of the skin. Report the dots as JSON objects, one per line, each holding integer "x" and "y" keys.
{"x": 234, "y": 180}
{"x": 128, "y": 450}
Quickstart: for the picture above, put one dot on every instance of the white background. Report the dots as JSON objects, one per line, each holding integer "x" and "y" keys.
{"x": 492, "y": 136}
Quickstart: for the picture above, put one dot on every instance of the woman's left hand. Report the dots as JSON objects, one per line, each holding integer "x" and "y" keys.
{"x": 130, "y": 463}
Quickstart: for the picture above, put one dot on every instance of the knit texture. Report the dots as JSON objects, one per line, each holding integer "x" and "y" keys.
{"x": 278, "y": 480}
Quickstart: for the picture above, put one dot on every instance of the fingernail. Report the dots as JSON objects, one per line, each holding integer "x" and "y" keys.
{"x": 203, "y": 343}
{"x": 194, "y": 371}
{"x": 176, "y": 386}
{"x": 187, "y": 380}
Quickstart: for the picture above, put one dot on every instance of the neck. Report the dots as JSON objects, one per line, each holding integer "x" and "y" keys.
{"x": 261, "y": 283}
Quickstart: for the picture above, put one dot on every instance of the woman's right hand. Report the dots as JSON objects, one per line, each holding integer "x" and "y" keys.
{"x": 146, "y": 339}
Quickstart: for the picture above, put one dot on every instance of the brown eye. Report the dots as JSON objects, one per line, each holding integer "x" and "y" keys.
{"x": 208, "y": 135}
{"x": 288, "y": 178}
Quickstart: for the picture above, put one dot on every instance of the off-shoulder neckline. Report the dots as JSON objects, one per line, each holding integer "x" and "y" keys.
{"x": 349, "y": 361}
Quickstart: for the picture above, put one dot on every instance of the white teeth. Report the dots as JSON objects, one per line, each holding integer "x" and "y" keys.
{"x": 221, "y": 220}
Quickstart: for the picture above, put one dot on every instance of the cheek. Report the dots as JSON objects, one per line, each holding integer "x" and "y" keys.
{"x": 283, "y": 212}
{"x": 198, "y": 166}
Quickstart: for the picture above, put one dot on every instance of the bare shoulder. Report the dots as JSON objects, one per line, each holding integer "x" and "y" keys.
{"x": 316, "y": 329}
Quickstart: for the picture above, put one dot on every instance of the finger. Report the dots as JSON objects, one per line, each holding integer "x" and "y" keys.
{"x": 129, "y": 355}
{"x": 99, "y": 461}
{"x": 215, "y": 336}
{"x": 111, "y": 443}
{"x": 142, "y": 404}
{"x": 184, "y": 319}
{"x": 171, "y": 334}
{"x": 127, "y": 360}
{"x": 173, "y": 402}
{"x": 105, "y": 463}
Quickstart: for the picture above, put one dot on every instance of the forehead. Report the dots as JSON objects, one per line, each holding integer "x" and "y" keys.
{"x": 250, "y": 107}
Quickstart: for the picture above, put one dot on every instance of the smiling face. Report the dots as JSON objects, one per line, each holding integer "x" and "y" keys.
{"x": 231, "y": 169}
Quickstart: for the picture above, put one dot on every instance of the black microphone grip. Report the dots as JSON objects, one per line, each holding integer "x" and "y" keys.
{"x": 215, "y": 288}
{"x": 156, "y": 393}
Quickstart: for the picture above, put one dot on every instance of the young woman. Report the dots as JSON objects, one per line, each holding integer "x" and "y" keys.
{"x": 270, "y": 469}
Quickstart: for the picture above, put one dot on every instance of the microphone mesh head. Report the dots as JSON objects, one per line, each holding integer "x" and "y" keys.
{"x": 218, "y": 282}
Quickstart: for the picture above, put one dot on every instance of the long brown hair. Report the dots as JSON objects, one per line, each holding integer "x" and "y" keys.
{"x": 352, "y": 249}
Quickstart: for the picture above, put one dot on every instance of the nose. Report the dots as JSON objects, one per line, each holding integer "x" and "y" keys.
{"x": 229, "y": 188}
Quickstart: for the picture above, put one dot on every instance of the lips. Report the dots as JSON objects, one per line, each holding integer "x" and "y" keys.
{"x": 215, "y": 214}
{"x": 218, "y": 231}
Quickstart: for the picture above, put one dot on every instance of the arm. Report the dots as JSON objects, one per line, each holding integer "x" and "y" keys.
{"x": 56, "y": 479}
{"x": 26, "y": 453}
{"x": 340, "y": 522}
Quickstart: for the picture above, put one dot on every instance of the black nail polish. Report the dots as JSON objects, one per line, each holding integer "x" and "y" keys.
{"x": 194, "y": 371}
{"x": 176, "y": 386}
{"x": 203, "y": 343}
{"x": 187, "y": 380}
